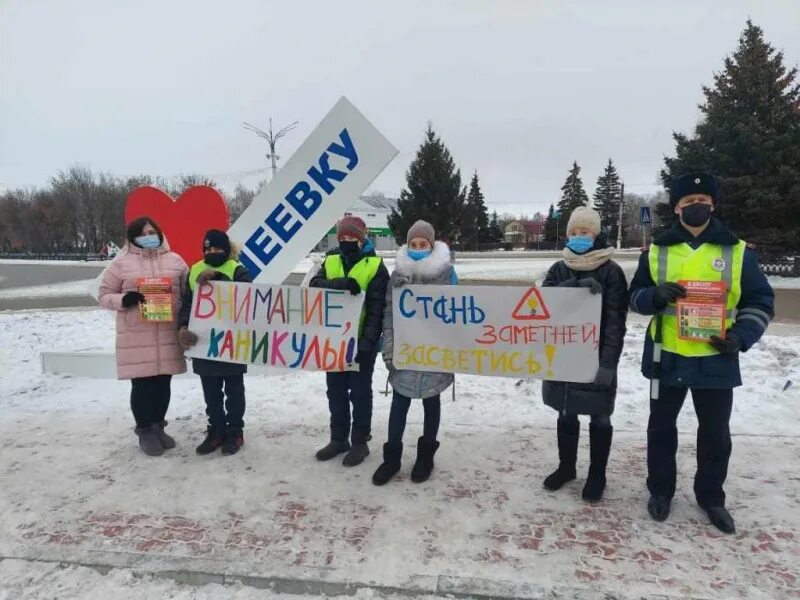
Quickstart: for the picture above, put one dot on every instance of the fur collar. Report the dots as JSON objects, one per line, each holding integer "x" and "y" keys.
{"x": 432, "y": 266}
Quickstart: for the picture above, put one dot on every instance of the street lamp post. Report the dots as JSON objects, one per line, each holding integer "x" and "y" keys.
{"x": 272, "y": 138}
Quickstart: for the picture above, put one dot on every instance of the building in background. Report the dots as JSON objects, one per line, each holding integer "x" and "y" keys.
{"x": 374, "y": 210}
{"x": 524, "y": 234}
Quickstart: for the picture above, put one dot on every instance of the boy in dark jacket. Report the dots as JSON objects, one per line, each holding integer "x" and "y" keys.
{"x": 355, "y": 268}
{"x": 225, "y": 416}
{"x": 697, "y": 248}
{"x": 587, "y": 263}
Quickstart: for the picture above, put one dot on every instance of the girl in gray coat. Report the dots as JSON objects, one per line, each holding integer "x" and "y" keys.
{"x": 422, "y": 261}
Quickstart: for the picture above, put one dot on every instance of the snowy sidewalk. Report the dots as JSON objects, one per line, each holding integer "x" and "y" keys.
{"x": 75, "y": 488}
{"x": 275, "y": 513}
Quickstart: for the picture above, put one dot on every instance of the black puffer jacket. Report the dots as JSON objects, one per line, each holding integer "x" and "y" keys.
{"x": 374, "y": 297}
{"x": 203, "y": 366}
{"x": 588, "y": 398}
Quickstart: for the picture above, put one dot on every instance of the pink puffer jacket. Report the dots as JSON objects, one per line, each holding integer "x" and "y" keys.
{"x": 144, "y": 349}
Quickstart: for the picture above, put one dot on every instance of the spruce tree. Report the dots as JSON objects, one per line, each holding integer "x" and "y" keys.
{"x": 551, "y": 225}
{"x": 749, "y": 137}
{"x": 495, "y": 233}
{"x": 475, "y": 217}
{"x": 572, "y": 193}
{"x": 433, "y": 192}
{"x": 606, "y": 199}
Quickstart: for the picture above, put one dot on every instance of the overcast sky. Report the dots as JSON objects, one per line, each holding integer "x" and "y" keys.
{"x": 517, "y": 90}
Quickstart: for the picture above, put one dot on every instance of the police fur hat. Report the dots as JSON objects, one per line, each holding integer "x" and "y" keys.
{"x": 694, "y": 182}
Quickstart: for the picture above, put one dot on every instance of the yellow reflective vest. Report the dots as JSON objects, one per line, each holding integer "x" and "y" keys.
{"x": 363, "y": 272}
{"x": 710, "y": 262}
{"x": 228, "y": 269}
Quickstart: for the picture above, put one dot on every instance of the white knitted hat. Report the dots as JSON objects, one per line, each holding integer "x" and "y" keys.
{"x": 583, "y": 216}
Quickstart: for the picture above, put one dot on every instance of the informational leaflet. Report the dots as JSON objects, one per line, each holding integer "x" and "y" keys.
{"x": 157, "y": 305}
{"x": 701, "y": 314}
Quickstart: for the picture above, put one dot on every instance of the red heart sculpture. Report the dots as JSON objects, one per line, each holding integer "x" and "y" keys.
{"x": 185, "y": 220}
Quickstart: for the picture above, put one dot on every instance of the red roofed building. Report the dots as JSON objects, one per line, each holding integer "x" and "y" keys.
{"x": 522, "y": 234}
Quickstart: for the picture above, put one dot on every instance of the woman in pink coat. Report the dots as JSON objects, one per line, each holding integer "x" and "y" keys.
{"x": 147, "y": 351}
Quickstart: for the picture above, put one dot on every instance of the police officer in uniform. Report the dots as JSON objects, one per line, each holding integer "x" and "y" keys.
{"x": 697, "y": 248}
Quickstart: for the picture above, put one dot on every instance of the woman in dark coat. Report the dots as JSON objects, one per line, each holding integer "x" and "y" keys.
{"x": 587, "y": 263}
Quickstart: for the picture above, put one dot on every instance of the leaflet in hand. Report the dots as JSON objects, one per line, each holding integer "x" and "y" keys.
{"x": 157, "y": 305}
{"x": 701, "y": 314}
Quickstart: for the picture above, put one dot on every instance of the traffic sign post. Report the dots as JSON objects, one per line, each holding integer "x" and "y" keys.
{"x": 646, "y": 219}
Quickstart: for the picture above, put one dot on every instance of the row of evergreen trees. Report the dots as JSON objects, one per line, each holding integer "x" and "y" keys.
{"x": 607, "y": 198}
{"x": 749, "y": 137}
{"x": 434, "y": 193}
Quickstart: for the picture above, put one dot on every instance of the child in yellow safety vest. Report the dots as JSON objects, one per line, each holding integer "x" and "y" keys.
{"x": 354, "y": 267}
{"x": 225, "y": 411}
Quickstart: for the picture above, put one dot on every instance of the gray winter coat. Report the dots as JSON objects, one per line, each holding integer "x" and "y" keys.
{"x": 434, "y": 270}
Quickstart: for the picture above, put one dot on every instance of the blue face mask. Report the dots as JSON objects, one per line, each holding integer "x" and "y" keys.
{"x": 418, "y": 254}
{"x": 580, "y": 244}
{"x": 149, "y": 242}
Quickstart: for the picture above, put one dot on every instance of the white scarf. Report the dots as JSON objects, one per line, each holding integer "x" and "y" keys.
{"x": 589, "y": 261}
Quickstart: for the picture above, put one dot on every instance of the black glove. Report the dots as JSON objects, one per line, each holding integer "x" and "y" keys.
{"x": 186, "y": 339}
{"x": 353, "y": 287}
{"x": 132, "y": 299}
{"x": 730, "y": 345}
{"x": 590, "y": 282}
{"x": 571, "y": 282}
{"x": 604, "y": 376}
{"x": 666, "y": 293}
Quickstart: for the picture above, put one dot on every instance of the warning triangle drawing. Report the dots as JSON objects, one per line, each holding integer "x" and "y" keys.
{"x": 531, "y": 307}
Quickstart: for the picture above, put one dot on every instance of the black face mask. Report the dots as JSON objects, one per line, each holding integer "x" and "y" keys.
{"x": 216, "y": 259}
{"x": 349, "y": 248}
{"x": 696, "y": 215}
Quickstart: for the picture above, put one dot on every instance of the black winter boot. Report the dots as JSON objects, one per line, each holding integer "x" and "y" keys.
{"x": 568, "y": 433}
{"x": 424, "y": 465}
{"x": 659, "y": 507}
{"x": 210, "y": 444}
{"x": 356, "y": 455}
{"x": 391, "y": 464}
{"x": 720, "y": 518}
{"x": 233, "y": 441}
{"x": 599, "y": 448}
{"x": 333, "y": 449}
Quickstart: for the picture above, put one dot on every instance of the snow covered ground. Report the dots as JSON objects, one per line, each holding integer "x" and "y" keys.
{"x": 785, "y": 283}
{"x": 69, "y": 288}
{"x": 20, "y": 580}
{"x": 75, "y": 488}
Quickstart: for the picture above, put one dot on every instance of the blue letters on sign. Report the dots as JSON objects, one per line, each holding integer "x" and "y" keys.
{"x": 298, "y": 206}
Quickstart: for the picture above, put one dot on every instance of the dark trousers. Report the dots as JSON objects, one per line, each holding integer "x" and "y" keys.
{"x": 570, "y": 419}
{"x": 713, "y": 408}
{"x": 150, "y": 399}
{"x": 224, "y": 409}
{"x": 344, "y": 389}
{"x": 397, "y": 417}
